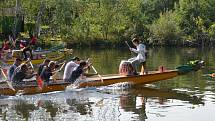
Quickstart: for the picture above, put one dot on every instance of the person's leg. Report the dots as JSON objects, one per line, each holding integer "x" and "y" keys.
{"x": 24, "y": 53}
{"x": 143, "y": 68}
{"x": 135, "y": 64}
{"x": 31, "y": 55}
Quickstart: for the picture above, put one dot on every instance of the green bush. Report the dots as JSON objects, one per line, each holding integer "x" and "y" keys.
{"x": 165, "y": 30}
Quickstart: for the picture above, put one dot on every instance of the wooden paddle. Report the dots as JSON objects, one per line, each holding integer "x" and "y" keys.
{"x": 54, "y": 76}
{"x": 97, "y": 73}
{"x": 6, "y": 79}
{"x": 38, "y": 78}
{"x": 126, "y": 42}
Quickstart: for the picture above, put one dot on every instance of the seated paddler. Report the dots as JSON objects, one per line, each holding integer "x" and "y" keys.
{"x": 41, "y": 66}
{"x": 79, "y": 72}
{"x": 140, "y": 59}
{"x": 70, "y": 67}
{"x": 48, "y": 71}
{"x": 12, "y": 68}
{"x": 20, "y": 74}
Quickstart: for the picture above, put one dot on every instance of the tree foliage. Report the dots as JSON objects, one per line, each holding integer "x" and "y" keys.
{"x": 89, "y": 21}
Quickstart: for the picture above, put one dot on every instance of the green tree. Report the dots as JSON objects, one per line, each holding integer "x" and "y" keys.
{"x": 165, "y": 30}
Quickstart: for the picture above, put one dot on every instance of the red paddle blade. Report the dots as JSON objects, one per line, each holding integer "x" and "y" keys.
{"x": 5, "y": 71}
{"x": 39, "y": 82}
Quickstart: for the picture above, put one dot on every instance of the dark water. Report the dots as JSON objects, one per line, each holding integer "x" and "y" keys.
{"x": 190, "y": 97}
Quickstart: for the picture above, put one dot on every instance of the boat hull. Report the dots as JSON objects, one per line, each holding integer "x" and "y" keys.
{"x": 54, "y": 56}
{"x": 91, "y": 82}
{"x": 136, "y": 79}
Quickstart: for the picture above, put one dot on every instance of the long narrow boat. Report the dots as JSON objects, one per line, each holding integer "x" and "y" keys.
{"x": 95, "y": 81}
{"x": 31, "y": 87}
{"x": 38, "y": 57}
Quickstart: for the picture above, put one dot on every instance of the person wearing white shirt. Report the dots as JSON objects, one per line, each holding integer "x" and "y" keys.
{"x": 140, "y": 59}
{"x": 70, "y": 67}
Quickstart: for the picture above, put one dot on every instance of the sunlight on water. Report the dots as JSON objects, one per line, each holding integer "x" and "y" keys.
{"x": 190, "y": 97}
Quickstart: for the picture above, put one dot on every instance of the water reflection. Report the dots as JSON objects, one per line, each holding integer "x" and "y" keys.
{"x": 89, "y": 105}
{"x": 183, "y": 94}
{"x": 82, "y": 108}
{"x": 135, "y": 99}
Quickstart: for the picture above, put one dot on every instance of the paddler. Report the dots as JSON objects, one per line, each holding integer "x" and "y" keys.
{"x": 20, "y": 74}
{"x": 41, "y": 66}
{"x": 12, "y": 68}
{"x": 26, "y": 46}
{"x": 6, "y": 46}
{"x": 70, "y": 67}
{"x": 79, "y": 72}
{"x": 140, "y": 59}
{"x": 48, "y": 71}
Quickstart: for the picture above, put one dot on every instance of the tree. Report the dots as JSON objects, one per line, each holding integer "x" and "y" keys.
{"x": 165, "y": 30}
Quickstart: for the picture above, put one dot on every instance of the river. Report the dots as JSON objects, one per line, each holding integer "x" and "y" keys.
{"x": 189, "y": 97}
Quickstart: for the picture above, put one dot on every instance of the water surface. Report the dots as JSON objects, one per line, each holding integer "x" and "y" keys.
{"x": 190, "y": 97}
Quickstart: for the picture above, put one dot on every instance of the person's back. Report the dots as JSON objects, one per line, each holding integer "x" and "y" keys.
{"x": 78, "y": 72}
{"x": 69, "y": 68}
{"x": 13, "y": 67}
{"x": 141, "y": 50}
{"x": 41, "y": 66}
{"x": 47, "y": 72}
{"x": 20, "y": 74}
{"x": 40, "y": 69}
{"x": 18, "y": 77}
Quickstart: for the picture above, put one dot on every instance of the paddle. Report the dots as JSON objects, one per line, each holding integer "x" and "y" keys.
{"x": 31, "y": 65}
{"x": 97, "y": 73}
{"x": 38, "y": 78}
{"x": 55, "y": 72}
{"x": 127, "y": 44}
{"x": 9, "y": 83}
{"x": 62, "y": 66}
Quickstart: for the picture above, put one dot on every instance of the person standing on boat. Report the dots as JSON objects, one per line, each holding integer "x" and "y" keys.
{"x": 70, "y": 67}
{"x": 5, "y": 49}
{"x": 25, "y": 46}
{"x": 79, "y": 72}
{"x": 140, "y": 59}
{"x": 6, "y": 46}
{"x": 41, "y": 66}
{"x": 48, "y": 71}
{"x": 12, "y": 68}
{"x": 19, "y": 75}
{"x": 33, "y": 41}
